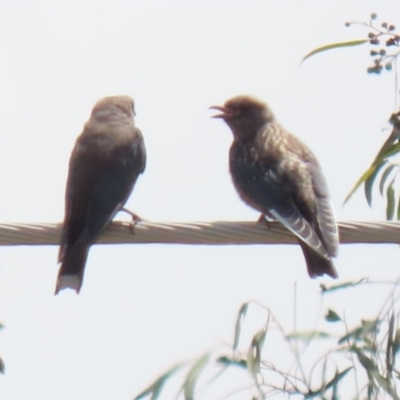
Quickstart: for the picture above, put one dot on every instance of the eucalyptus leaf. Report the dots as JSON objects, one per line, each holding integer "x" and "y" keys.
{"x": 335, "y": 46}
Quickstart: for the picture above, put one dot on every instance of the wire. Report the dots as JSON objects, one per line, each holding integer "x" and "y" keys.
{"x": 195, "y": 233}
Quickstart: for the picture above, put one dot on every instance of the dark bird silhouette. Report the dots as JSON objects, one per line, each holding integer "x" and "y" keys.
{"x": 278, "y": 175}
{"x": 105, "y": 163}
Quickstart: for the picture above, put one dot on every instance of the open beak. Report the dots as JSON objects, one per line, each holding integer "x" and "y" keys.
{"x": 224, "y": 111}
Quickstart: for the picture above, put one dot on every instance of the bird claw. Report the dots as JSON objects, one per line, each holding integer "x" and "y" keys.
{"x": 264, "y": 219}
{"x": 135, "y": 219}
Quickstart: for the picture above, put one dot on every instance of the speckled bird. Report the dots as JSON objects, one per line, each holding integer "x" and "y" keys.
{"x": 278, "y": 175}
{"x": 105, "y": 163}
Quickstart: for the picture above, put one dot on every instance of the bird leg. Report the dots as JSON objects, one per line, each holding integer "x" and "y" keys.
{"x": 265, "y": 219}
{"x": 135, "y": 219}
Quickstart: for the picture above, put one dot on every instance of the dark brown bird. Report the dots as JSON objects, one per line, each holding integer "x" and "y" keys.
{"x": 278, "y": 175}
{"x": 105, "y": 163}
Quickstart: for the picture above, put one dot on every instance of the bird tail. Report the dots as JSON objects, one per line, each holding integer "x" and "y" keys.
{"x": 72, "y": 268}
{"x": 317, "y": 265}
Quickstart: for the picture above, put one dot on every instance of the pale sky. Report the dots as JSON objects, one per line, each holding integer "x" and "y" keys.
{"x": 144, "y": 307}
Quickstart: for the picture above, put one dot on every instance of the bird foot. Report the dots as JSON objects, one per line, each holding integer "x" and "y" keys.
{"x": 135, "y": 219}
{"x": 264, "y": 219}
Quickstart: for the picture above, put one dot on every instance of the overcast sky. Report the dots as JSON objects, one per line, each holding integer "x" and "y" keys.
{"x": 144, "y": 307}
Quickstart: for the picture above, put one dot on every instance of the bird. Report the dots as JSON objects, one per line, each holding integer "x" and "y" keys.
{"x": 275, "y": 173}
{"x": 106, "y": 161}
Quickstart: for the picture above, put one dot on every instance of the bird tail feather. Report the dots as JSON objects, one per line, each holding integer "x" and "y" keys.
{"x": 72, "y": 268}
{"x": 317, "y": 265}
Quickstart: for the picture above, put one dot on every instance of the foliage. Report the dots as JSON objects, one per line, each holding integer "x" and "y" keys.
{"x": 2, "y": 366}
{"x": 384, "y": 43}
{"x": 356, "y": 362}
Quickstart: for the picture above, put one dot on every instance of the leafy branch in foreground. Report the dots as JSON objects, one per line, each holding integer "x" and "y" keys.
{"x": 385, "y": 49}
{"x": 384, "y": 162}
{"x": 359, "y": 362}
{"x": 2, "y": 366}
{"x": 385, "y": 56}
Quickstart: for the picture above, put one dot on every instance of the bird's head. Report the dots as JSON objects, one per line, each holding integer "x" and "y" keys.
{"x": 114, "y": 107}
{"x": 245, "y": 115}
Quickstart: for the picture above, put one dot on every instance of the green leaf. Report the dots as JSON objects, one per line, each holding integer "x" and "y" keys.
{"x": 154, "y": 390}
{"x": 189, "y": 386}
{"x": 390, "y": 354}
{"x": 238, "y": 325}
{"x": 332, "y": 316}
{"x": 365, "y": 361}
{"x": 373, "y": 371}
{"x": 333, "y": 382}
{"x": 398, "y": 210}
{"x": 228, "y": 361}
{"x": 370, "y": 327}
{"x": 360, "y": 181}
{"x": 308, "y": 335}
{"x": 367, "y": 328}
{"x": 334, "y": 46}
{"x": 338, "y": 377}
{"x": 254, "y": 353}
{"x": 390, "y": 201}
{"x": 344, "y": 285}
{"x": 370, "y": 181}
{"x": 385, "y": 175}
{"x": 389, "y": 151}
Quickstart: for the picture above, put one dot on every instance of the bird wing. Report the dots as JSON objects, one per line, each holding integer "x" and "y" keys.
{"x": 290, "y": 216}
{"x": 309, "y": 211}
{"x": 324, "y": 215}
{"x": 271, "y": 189}
{"x": 139, "y": 151}
{"x": 97, "y": 188}
{"x": 292, "y": 219}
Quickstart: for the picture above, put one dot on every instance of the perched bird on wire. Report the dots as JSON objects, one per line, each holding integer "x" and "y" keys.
{"x": 278, "y": 175}
{"x": 105, "y": 163}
